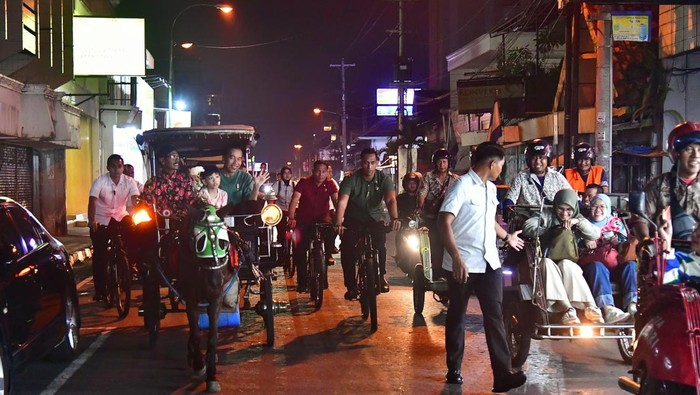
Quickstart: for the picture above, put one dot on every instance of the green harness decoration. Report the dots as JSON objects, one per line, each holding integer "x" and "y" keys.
{"x": 210, "y": 236}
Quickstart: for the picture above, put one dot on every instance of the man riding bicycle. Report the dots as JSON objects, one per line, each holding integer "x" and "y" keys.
{"x": 311, "y": 194}
{"x": 109, "y": 196}
{"x": 360, "y": 209}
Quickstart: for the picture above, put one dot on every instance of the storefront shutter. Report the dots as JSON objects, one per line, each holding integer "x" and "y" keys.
{"x": 16, "y": 174}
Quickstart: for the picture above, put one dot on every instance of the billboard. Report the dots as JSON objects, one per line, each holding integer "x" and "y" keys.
{"x": 109, "y": 46}
{"x": 631, "y": 25}
{"x": 388, "y": 100}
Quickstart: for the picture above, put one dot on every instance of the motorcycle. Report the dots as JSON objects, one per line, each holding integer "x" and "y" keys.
{"x": 666, "y": 358}
{"x": 414, "y": 259}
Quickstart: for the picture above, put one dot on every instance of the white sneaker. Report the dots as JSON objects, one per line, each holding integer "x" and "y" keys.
{"x": 614, "y": 315}
{"x": 593, "y": 314}
{"x": 570, "y": 317}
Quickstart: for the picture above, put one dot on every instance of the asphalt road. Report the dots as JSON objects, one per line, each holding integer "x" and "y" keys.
{"x": 327, "y": 351}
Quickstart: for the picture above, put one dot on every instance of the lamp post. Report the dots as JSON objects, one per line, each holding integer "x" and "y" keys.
{"x": 343, "y": 131}
{"x": 298, "y": 157}
{"x": 221, "y": 7}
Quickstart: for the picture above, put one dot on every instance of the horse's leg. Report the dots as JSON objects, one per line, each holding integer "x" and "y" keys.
{"x": 194, "y": 354}
{"x": 213, "y": 310}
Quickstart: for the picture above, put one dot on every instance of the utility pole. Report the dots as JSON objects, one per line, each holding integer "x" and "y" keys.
{"x": 343, "y": 114}
{"x": 603, "y": 94}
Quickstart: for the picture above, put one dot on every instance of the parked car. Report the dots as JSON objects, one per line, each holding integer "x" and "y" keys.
{"x": 39, "y": 313}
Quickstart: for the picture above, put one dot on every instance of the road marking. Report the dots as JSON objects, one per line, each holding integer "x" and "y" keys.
{"x": 82, "y": 283}
{"x": 68, "y": 372}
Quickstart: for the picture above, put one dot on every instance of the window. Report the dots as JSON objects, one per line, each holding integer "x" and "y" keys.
{"x": 29, "y": 26}
{"x": 29, "y": 231}
{"x": 10, "y": 242}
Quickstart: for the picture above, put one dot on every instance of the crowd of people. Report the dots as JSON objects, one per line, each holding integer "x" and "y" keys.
{"x": 570, "y": 213}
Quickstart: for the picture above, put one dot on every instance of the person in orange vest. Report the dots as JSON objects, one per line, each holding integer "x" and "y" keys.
{"x": 586, "y": 172}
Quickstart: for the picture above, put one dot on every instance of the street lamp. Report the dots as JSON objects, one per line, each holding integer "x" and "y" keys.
{"x": 343, "y": 132}
{"x": 221, "y": 7}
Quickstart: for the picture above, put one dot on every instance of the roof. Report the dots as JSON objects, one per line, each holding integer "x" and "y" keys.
{"x": 200, "y": 141}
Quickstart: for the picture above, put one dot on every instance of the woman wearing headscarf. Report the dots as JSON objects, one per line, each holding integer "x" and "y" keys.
{"x": 598, "y": 276}
{"x": 566, "y": 289}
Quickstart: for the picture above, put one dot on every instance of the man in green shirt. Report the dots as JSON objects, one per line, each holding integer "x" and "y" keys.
{"x": 238, "y": 184}
{"x": 360, "y": 209}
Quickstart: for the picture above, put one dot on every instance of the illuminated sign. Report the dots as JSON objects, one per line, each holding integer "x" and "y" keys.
{"x": 631, "y": 25}
{"x": 109, "y": 46}
{"x": 391, "y": 96}
{"x": 392, "y": 111}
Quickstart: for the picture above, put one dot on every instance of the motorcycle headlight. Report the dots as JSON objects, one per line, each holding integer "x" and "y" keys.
{"x": 413, "y": 224}
{"x": 141, "y": 216}
{"x": 413, "y": 242}
{"x": 271, "y": 214}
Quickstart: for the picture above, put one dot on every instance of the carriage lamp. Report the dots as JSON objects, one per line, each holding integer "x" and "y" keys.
{"x": 413, "y": 224}
{"x": 271, "y": 214}
{"x": 586, "y": 331}
{"x": 141, "y": 216}
{"x": 413, "y": 242}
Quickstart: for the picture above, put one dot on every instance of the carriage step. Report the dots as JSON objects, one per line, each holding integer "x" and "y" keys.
{"x": 228, "y": 318}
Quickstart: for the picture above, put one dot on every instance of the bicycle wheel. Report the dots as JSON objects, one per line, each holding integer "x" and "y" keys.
{"x": 371, "y": 281}
{"x": 122, "y": 295}
{"x": 318, "y": 266}
{"x": 111, "y": 295}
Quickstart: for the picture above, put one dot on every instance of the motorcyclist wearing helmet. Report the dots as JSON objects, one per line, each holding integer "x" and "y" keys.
{"x": 430, "y": 196}
{"x": 586, "y": 172}
{"x": 678, "y": 188}
{"x": 539, "y": 183}
{"x": 407, "y": 204}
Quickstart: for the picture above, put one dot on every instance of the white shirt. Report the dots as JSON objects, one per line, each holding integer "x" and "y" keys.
{"x": 112, "y": 198}
{"x": 474, "y": 206}
{"x": 284, "y": 193}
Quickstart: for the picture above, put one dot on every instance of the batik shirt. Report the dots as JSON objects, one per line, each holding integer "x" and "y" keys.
{"x": 525, "y": 188}
{"x": 658, "y": 195}
{"x": 170, "y": 192}
{"x": 433, "y": 190}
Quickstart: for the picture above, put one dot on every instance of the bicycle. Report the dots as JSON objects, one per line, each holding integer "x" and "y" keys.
{"x": 367, "y": 277}
{"x": 317, "y": 274}
{"x": 118, "y": 270}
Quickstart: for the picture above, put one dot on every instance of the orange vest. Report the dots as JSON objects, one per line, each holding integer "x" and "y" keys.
{"x": 578, "y": 184}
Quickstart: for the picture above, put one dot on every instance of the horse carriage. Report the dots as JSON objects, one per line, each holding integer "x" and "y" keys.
{"x": 525, "y": 301}
{"x": 205, "y": 263}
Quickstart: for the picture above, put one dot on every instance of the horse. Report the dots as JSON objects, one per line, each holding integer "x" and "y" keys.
{"x": 205, "y": 270}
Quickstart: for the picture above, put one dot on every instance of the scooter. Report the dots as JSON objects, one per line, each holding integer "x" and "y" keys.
{"x": 666, "y": 358}
{"x": 417, "y": 246}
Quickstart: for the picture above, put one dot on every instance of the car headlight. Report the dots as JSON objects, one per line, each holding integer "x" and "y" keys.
{"x": 413, "y": 242}
{"x": 271, "y": 214}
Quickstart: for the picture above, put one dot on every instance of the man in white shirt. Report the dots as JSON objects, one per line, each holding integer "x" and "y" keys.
{"x": 109, "y": 195}
{"x": 467, "y": 223}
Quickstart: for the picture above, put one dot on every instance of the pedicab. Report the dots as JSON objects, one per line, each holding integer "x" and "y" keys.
{"x": 666, "y": 358}
{"x": 525, "y": 303}
{"x": 242, "y": 236}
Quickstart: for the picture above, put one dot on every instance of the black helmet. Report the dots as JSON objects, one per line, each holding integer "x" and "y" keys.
{"x": 584, "y": 151}
{"x": 538, "y": 147}
{"x": 412, "y": 176}
{"x": 441, "y": 153}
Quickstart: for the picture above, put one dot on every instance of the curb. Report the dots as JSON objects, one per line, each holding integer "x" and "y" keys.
{"x": 79, "y": 256}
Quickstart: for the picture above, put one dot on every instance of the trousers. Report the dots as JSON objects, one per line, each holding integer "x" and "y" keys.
{"x": 488, "y": 288}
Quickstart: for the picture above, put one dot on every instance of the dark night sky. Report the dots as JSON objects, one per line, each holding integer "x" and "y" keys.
{"x": 274, "y": 87}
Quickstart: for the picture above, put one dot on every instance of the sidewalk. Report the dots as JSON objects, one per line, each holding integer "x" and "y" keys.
{"x": 78, "y": 244}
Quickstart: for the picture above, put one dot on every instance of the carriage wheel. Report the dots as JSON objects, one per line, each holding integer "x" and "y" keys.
{"x": 625, "y": 346}
{"x": 418, "y": 289}
{"x": 518, "y": 332}
{"x": 268, "y": 313}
